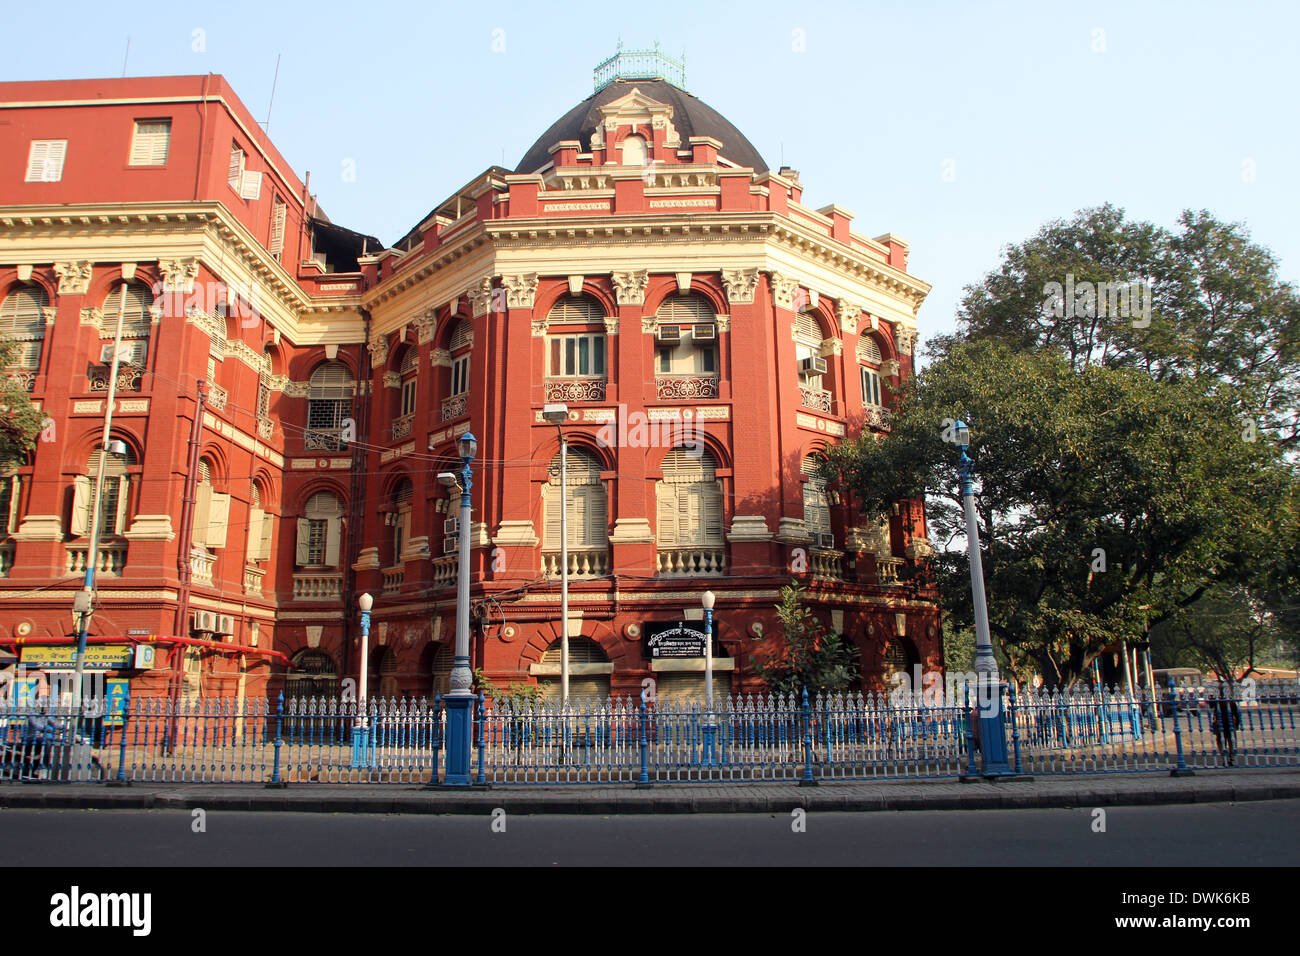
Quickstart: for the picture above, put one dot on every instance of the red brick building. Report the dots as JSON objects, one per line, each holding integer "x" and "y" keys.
{"x": 708, "y": 332}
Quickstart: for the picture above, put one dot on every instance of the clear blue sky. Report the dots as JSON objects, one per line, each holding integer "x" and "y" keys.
{"x": 1039, "y": 113}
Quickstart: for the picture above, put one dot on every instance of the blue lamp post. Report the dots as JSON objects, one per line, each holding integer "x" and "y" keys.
{"x": 460, "y": 698}
{"x": 992, "y": 727}
{"x": 710, "y": 721}
{"x": 362, "y": 756}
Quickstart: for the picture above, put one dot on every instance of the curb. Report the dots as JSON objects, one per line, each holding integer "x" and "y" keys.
{"x": 839, "y": 796}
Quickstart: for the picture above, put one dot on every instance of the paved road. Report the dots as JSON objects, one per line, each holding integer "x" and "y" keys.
{"x": 1265, "y": 833}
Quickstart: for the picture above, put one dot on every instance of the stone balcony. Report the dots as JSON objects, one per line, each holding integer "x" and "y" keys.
{"x": 112, "y": 559}
{"x": 826, "y": 564}
{"x": 818, "y": 399}
{"x": 323, "y": 439}
{"x": 887, "y": 570}
{"x": 317, "y": 587}
{"x": 128, "y": 378}
{"x": 201, "y": 564}
{"x": 445, "y": 570}
{"x": 393, "y": 578}
{"x": 583, "y": 563}
{"x": 674, "y": 387}
{"x": 401, "y": 427}
{"x": 575, "y": 390}
{"x": 684, "y": 562}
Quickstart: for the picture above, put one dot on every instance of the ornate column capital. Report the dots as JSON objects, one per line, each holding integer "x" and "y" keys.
{"x": 521, "y": 290}
{"x": 480, "y": 297}
{"x": 629, "y": 287}
{"x": 440, "y": 358}
{"x": 783, "y": 288}
{"x": 74, "y": 277}
{"x": 378, "y": 350}
{"x": 424, "y": 325}
{"x": 740, "y": 285}
{"x": 905, "y": 338}
{"x": 179, "y": 274}
{"x": 847, "y": 313}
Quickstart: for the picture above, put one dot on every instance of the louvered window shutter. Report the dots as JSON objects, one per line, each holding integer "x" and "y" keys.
{"x": 202, "y": 513}
{"x": 235, "y": 174}
{"x": 332, "y": 529}
{"x": 268, "y": 528}
{"x": 119, "y": 519}
{"x": 149, "y": 143}
{"x": 712, "y": 514}
{"x": 685, "y": 310}
{"x": 256, "y": 516}
{"x": 666, "y": 501}
{"x": 302, "y": 556}
{"x": 551, "y": 501}
{"x": 45, "y": 161}
{"x": 278, "y": 211}
{"x": 597, "y": 516}
{"x": 80, "y": 505}
{"x": 218, "y": 520}
{"x": 21, "y": 315}
{"x": 11, "y": 486}
{"x": 807, "y": 330}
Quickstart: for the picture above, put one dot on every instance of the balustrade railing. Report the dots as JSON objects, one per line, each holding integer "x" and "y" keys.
{"x": 401, "y": 427}
{"x": 826, "y": 564}
{"x": 819, "y": 400}
{"x": 112, "y": 559}
{"x": 690, "y": 561}
{"x": 392, "y": 578}
{"x": 128, "y": 378}
{"x": 265, "y": 428}
{"x": 253, "y": 580}
{"x": 445, "y": 570}
{"x": 201, "y": 564}
{"x": 23, "y": 378}
{"x": 217, "y": 397}
{"x": 582, "y": 563}
{"x": 575, "y": 389}
{"x": 317, "y": 587}
{"x": 454, "y": 407}
{"x": 323, "y": 439}
{"x": 687, "y": 386}
{"x": 887, "y": 570}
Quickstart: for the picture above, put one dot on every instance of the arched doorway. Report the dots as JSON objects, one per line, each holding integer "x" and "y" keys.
{"x": 589, "y": 670}
{"x": 313, "y": 675}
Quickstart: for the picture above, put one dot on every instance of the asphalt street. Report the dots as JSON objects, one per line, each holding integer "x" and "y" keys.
{"x": 1213, "y": 834}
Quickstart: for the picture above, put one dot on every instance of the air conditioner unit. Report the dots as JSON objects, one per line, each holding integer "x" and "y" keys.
{"x": 450, "y": 544}
{"x": 451, "y": 526}
{"x": 126, "y": 355}
{"x": 669, "y": 333}
{"x": 225, "y": 625}
{"x": 705, "y": 333}
{"x": 813, "y": 365}
{"x": 825, "y": 541}
{"x": 201, "y": 622}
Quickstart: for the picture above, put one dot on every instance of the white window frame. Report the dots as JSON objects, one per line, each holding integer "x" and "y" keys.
{"x": 459, "y": 376}
{"x": 235, "y": 176}
{"x": 565, "y": 349}
{"x": 872, "y": 396}
{"x": 45, "y": 160}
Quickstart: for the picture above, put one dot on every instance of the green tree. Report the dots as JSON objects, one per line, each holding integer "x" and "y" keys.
{"x": 20, "y": 421}
{"x": 808, "y": 655}
{"x": 1217, "y": 307}
{"x": 1230, "y": 631}
{"x": 1107, "y": 500}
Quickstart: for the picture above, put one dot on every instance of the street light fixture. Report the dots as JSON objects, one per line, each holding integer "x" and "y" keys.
{"x": 711, "y": 723}
{"x": 361, "y": 728}
{"x": 557, "y": 414}
{"x": 460, "y": 698}
{"x": 993, "y": 741}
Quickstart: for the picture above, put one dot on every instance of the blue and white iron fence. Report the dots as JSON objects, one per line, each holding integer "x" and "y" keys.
{"x": 622, "y": 740}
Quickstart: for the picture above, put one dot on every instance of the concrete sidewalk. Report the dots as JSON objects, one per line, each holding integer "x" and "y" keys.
{"x": 1042, "y": 792}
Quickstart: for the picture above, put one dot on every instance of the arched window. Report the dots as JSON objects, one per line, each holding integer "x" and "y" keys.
{"x": 635, "y": 151}
{"x": 816, "y": 506}
{"x": 808, "y": 353}
{"x": 400, "y": 518}
{"x": 319, "y": 531}
{"x": 589, "y": 670}
{"x": 133, "y": 301}
{"x": 588, "y": 520}
{"x": 869, "y": 362}
{"x": 689, "y": 506}
{"x": 329, "y": 400}
{"x": 22, "y": 321}
{"x": 576, "y": 362}
{"x": 461, "y": 345}
{"x": 113, "y": 509}
{"x": 312, "y": 675}
{"x": 686, "y": 353}
{"x": 211, "y": 511}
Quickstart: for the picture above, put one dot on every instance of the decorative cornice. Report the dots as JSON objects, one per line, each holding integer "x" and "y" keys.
{"x": 74, "y": 277}
{"x": 740, "y": 285}
{"x": 629, "y": 287}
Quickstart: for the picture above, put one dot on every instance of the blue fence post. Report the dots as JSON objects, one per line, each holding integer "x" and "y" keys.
{"x": 482, "y": 726}
{"x": 120, "y": 777}
{"x": 275, "y": 768}
{"x": 807, "y": 779}
{"x": 1015, "y": 732}
{"x": 970, "y": 731}
{"x": 1181, "y": 770}
{"x": 645, "y": 747}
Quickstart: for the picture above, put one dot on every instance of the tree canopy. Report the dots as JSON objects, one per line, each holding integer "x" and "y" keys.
{"x": 20, "y": 420}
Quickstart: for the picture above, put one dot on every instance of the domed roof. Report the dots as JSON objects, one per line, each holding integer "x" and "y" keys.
{"x": 691, "y": 117}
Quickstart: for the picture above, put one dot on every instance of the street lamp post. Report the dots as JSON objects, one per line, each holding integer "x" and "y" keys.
{"x": 557, "y": 414}
{"x": 710, "y": 722}
{"x": 361, "y": 727}
{"x": 460, "y": 698}
{"x": 993, "y": 739}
